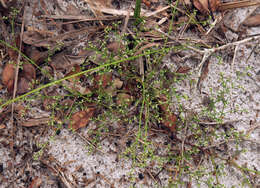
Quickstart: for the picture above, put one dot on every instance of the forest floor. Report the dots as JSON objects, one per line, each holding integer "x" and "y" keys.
{"x": 92, "y": 97}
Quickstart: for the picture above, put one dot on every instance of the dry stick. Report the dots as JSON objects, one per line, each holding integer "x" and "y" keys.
{"x": 125, "y": 23}
{"x": 3, "y": 3}
{"x": 14, "y": 94}
{"x": 208, "y": 52}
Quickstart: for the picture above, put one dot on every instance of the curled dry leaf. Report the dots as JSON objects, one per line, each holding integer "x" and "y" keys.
{"x": 81, "y": 119}
{"x": 252, "y": 21}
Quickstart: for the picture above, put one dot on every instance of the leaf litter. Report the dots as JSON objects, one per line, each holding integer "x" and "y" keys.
{"x": 59, "y": 41}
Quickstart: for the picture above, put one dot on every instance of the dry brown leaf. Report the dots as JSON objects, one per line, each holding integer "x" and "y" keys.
{"x": 205, "y": 6}
{"x": 81, "y": 119}
{"x": 8, "y": 74}
{"x": 117, "y": 83}
{"x": 36, "y": 182}
{"x": 102, "y": 80}
{"x": 28, "y": 72}
{"x": 115, "y": 47}
{"x": 170, "y": 121}
{"x": 169, "y": 118}
{"x": 23, "y": 85}
{"x": 252, "y": 21}
{"x": 26, "y": 78}
{"x": 2, "y": 126}
{"x": 147, "y": 3}
{"x": 36, "y": 55}
{"x": 183, "y": 70}
{"x": 13, "y": 54}
{"x": 76, "y": 69}
{"x": 35, "y": 38}
{"x": 124, "y": 99}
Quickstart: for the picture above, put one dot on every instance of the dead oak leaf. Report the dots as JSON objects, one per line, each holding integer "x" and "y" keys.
{"x": 81, "y": 119}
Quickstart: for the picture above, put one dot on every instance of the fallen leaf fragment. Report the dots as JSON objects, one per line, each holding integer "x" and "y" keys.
{"x": 26, "y": 78}
{"x": 36, "y": 182}
{"x": 147, "y": 3}
{"x": 124, "y": 99}
{"x": 112, "y": 89}
{"x": 102, "y": 80}
{"x": 169, "y": 118}
{"x": 252, "y": 21}
{"x": 81, "y": 119}
{"x": 115, "y": 47}
{"x": 205, "y": 6}
{"x": 76, "y": 69}
{"x": 2, "y": 126}
{"x": 28, "y": 72}
{"x": 37, "y": 38}
{"x": 8, "y": 75}
{"x": 183, "y": 70}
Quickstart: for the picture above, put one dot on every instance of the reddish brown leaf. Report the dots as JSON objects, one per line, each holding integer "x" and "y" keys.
{"x": 8, "y": 77}
{"x": 36, "y": 182}
{"x": 147, "y": 3}
{"x": 169, "y": 121}
{"x": 75, "y": 70}
{"x": 169, "y": 118}
{"x": 183, "y": 70}
{"x": 252, "y": 21}
{"x": 23, "y": 85}
{"x": 102, "y": 80}
{"x": 80, "y": 119}
{"x": 114, "y": 47}
{"x": 8, "y": 73}
{"x": 28, "y": 72}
